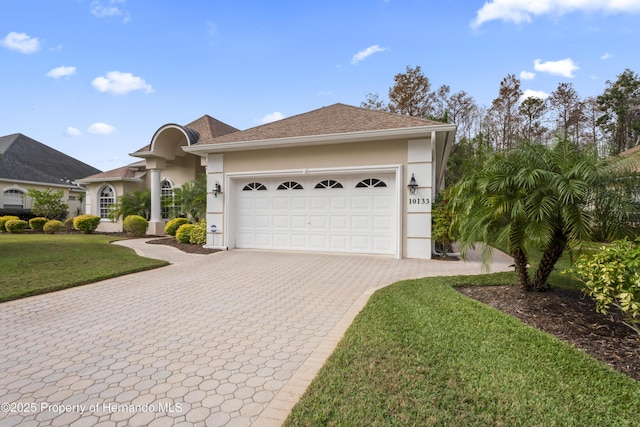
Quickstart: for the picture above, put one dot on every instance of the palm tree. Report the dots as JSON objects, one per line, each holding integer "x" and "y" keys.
{"x": 548, "y": 198}
{"x": 192, "y": 198}
{"x": 136, "y": 203}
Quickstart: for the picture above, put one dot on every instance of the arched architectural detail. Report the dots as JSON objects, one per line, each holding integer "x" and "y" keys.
{"x": 167, "y": 140}
{"x": 106, "y": 198}
{"x": 166, "y": 198}
{"x": 13, "y": 197}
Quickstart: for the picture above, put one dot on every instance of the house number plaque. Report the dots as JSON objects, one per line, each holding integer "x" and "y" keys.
{"x": 419, "y": 201}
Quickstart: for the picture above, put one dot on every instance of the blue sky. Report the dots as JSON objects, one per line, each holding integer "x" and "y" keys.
{"x": 96, "y": 78}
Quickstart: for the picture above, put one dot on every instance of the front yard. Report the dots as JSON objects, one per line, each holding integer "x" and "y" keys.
{"x": 421, "y": 353}
{"x": 38, "y": 263}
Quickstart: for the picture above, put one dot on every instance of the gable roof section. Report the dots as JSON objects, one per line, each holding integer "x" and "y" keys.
{"x": 204, "y": 128}
{"x": 209, "y": 128}
{"x": 132, "y": 172}
{"x": 25, "y": 159}
{"x": 331, "y": 120}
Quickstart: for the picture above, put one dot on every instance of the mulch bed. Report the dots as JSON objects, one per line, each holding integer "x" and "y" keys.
{"x": 186, "y": 247}
{"x": 572, "y": 318}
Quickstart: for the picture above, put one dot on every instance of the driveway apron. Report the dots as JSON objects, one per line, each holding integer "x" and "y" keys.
{"x": 233, "y": 338}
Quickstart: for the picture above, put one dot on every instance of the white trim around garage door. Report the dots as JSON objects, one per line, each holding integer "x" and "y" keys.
{"x": 232, "y": 179}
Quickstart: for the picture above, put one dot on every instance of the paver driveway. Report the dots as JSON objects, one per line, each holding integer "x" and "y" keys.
{"x": 231, "y": 338}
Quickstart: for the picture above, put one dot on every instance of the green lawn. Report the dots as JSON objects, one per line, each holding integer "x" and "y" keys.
{"x": 37, "y": 263}
{"x": 420, "y": 353}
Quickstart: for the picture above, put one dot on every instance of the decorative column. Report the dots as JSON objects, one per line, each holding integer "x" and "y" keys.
{"x": 156, "y": 224}
{"x": 156, "y": 213}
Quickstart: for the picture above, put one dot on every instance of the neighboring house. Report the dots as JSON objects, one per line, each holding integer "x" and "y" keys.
{"x": 26, "y": 163}
{"x": 335, "y": 179}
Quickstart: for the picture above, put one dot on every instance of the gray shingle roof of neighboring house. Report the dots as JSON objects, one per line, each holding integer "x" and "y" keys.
{"x": 25, "y": 159}
{"x": 334, "y": 119}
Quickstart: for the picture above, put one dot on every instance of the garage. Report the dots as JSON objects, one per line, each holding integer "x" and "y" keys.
{"x": 343, "y": 213}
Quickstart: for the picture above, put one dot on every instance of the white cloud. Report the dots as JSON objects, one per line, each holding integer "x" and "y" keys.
{"x": 109, "y": 9}
{"x": 56, "y": 73}
{"x": 606, "y": 55}
{"x": 527, "y": 75}
{"x": 366, "y": 53}
{"x": 563, "y": 67}
{"x": 21, "y": 42}
{"x": 101, "y": 128}
{"x": 519, "y": 11}
{"x": 73, "y": 131}
{"x": 530, "y": 93}
{"x": 271, "y": 117}
{"x": 120, "y": 83}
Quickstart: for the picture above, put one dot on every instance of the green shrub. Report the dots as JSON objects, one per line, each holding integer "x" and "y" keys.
{"x": 183, "y": 235}
{"x": 199, "y": 233}
{"x": 172, "y": 226}
{"x": 611, "y": 277}
{"x": 52, "y": 226}
{"x": 86, "y": 223}
{"x": 4, "y": 219}
{"x": 68, "y": 224}
{"x": 37, "y": 223}
{"x": 16, "y": 226}
{"x": 136, "y": 225}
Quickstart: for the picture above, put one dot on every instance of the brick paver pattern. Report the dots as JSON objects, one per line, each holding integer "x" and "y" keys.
{"x": 231, "y": 338}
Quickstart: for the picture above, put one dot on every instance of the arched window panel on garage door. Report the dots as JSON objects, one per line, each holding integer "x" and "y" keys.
{"x": 254, "y": 186}
{"x": 371, "y": 183}
{"x": 290, "y": 185}
{"x": 329, "y": 183}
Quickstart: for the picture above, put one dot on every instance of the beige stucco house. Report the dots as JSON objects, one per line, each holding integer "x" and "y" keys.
{"x": 336, "y": 179}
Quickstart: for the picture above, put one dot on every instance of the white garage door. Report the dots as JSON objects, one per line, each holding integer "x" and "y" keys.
{"x": 334, "y": 214}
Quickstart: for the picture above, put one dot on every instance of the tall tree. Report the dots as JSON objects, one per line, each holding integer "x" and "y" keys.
{"x": 504, "y": 111}
{"x": 532, "y": 109}
{"x": 373, "y": 102}
{"x": 441, "y": 98}
{"x": 544, "y": 197}
{"x": 620, "y": 104}
{"x": 411, "y": 94}
{"x": 565, "y": 101}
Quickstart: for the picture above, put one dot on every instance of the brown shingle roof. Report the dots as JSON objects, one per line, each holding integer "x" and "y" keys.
{"x": 206, "y": 128}
{"x": 133, "y": 170}
{"x": 334, "y": 119}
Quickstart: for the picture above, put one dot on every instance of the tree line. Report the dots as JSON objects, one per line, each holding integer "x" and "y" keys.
{"x": 610, "y": 121}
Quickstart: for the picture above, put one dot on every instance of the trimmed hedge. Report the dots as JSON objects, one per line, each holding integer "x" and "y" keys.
{"x": 37, "y": 223}
{"x": 86, "y": 223}
{"x": 183, "y": 235}
{"x": 199, "y": 233}
{"x": 68, "y": 224}
{"x": 4, "y": 219}
{"x": 15, "y": 226}
{"x": 52, "y": 227}
{"x": 172, "y": 226}
{"x": 136, "y": 225}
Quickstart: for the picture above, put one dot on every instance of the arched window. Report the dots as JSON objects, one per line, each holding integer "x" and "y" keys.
{"x": 106, "y": 198}
{"x": 290, "y": 185}
{"x": 254, "y": 186}
{"x": 166, "y": 199}
{"x": 13, "y": 199}
{"x": 329, "y": 183}
{"x": 370, "y": 183}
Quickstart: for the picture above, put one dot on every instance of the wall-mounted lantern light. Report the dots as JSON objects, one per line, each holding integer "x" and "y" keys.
{"x": 412, "y": 185}
{"x": 216, "y": 189}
